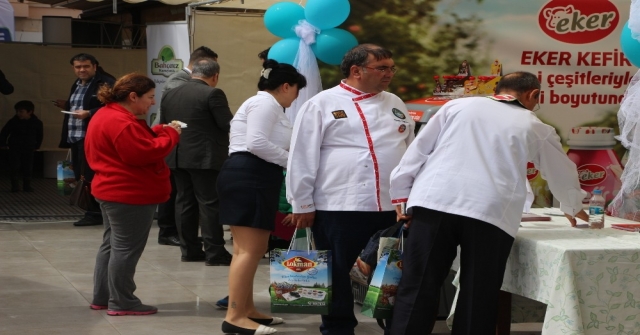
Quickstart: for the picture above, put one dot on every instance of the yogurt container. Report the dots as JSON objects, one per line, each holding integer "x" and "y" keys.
{"x": 591, "y": 149}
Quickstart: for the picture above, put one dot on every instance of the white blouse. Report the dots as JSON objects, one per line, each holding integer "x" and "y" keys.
{"x": 261, "y": 128}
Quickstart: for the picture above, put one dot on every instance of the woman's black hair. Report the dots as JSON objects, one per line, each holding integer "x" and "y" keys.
{"x": 275, "y": 74}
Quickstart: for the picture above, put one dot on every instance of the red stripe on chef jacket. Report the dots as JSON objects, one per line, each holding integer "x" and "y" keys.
{"x": 372, "y": 151}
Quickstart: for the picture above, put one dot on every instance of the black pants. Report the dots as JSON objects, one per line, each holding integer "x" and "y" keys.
{"x": 345, "y": 234}
{"x": 21, "y": 163}
{"x": 167, "y": 213}
{"x": 81, "y": 168}
{"x": 428, "y": 254}
{"x": 197, "y": 206}
{"x": 79, "y": 161}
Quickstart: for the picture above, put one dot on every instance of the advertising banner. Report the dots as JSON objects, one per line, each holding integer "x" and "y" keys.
{"x": 573, "y": 47}
{"x": 167, "y": 52}
{"x": 6, "y": 21}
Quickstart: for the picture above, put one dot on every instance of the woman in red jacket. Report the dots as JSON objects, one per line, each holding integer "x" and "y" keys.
{"x": 131, "y": 179}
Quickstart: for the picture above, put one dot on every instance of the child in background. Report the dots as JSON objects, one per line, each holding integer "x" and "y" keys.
{"x": 22, "y": 135}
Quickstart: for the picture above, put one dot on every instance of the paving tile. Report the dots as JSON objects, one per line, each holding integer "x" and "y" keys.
{"x": 20, "y": 320}
{"x": 46, "y": 280}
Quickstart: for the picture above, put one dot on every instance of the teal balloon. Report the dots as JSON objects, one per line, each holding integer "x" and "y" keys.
{"x": 285, "y": 51}
{"x": 326, "y": 14}
{"x": 281, "y": 17}
{"x": 630, "y": 46}
{"x": 332, "y": 44}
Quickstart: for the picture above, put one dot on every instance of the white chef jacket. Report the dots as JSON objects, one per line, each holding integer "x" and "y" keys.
{"x": 261, "y": 128}
{"x": 345, "y": 145}
{"x": 471, "y": 160}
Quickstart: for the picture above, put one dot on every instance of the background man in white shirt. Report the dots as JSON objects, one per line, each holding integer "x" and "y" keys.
{"x": 346, "y": 140}
{"x": 465, "y": 179}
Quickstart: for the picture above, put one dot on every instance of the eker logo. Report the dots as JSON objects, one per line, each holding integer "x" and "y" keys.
{"x": 578, "y": 22}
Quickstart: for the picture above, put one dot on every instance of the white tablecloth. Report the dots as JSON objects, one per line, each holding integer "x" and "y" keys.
{"x": 588, "y": 278}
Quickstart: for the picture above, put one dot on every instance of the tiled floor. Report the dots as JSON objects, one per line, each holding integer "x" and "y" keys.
{"x": 46, "y": 284}
{"x": 46, "y": 271}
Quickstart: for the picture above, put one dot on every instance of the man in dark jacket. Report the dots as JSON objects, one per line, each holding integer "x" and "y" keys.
{"x": 168, "y": 232}
{"x": 22, "y": 135}
{"x": 197, "y": 160}
{"x": 83, "y": 103}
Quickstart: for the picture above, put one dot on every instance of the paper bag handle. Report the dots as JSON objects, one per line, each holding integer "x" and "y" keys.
{"x": 311, "y": 244}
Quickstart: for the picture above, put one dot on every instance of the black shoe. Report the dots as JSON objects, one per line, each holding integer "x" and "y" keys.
{"x": 88, "y": 221}
{"x": 169, "y": 240}
{"x": 198, "y": 258}
{"x": 221, "y": 259}
{"x": 228, "y": 328}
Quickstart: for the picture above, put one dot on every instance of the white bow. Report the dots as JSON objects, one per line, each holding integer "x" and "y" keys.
{"x": 265, "y": 73}
{"x": 306, "y": 31}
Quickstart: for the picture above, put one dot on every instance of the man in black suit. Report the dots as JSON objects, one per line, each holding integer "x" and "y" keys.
{"x": 197, "y": 159}
{"x": 168, "y": 232}
{"x": 83, "y": 102}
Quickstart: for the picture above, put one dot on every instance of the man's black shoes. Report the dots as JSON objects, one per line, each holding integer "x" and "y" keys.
{"x": 221, "y": 259}
{"x": 169, "y": 240}
{"x": 198, "y": 258}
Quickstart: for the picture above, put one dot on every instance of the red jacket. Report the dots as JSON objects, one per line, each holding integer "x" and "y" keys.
{"x": 128, "y": 157}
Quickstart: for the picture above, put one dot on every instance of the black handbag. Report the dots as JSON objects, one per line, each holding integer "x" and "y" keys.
{"x": 81, "y": 196}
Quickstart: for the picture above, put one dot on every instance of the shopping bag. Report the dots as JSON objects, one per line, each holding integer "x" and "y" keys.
{"x": 381, "y": 295}
{"x": 66, "y": 177}
{"x": 366, "y": 262}
{"x": 81, "y": 196}
{"x": 300, "y": 279}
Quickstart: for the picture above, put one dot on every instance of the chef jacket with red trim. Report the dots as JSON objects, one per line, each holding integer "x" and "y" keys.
{"x": 345, "y": 145}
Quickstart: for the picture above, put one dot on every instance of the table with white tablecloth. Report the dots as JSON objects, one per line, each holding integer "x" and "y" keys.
{"x": 588, "y": 278}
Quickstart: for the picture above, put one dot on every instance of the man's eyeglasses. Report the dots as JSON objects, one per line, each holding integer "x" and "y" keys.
{"x": 383, "y": 69}
{"x": 537, "y": 107}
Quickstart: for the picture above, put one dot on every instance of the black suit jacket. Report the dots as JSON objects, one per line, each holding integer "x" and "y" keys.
{"x": 90, "y": 102}
{"x": 204, "y": 144}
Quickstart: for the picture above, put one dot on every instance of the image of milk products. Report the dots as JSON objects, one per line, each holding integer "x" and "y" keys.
{"x": 381, "y": 295}
{"x": 591, "y": 149}
{"x": 300, "y": 281}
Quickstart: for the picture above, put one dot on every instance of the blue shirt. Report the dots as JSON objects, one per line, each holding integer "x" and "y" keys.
{"x": 76, "y": 126}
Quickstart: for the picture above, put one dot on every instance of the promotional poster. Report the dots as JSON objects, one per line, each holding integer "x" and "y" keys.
{"x": 167, "y": 52}
{"x": 573, "y": 47}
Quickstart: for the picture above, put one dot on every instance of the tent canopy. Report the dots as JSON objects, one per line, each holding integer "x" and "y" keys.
{"x": 222, "y": 4}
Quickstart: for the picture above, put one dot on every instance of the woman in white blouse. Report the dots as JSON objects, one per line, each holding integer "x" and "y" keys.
{"x": 249, "y": 185}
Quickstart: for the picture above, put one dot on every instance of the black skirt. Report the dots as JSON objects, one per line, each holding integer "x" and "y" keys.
{"x": 249, "y": 190}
